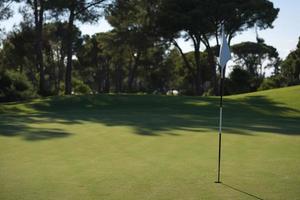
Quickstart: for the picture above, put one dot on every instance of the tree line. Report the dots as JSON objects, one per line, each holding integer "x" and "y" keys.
{"x": 47, "y": 54}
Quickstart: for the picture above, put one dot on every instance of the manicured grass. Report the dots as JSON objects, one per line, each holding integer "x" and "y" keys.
{"x": 151, "y": 147}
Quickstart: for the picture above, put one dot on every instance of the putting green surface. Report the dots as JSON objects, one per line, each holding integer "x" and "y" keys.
{"x": 151, "y": 147}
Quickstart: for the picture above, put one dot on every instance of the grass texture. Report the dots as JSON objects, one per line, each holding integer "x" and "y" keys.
{"x": 140, "y": 147}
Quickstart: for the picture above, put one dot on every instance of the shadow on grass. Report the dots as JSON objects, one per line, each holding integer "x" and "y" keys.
{"x": 11, "y": 127}
{"x": 242, "y": 192}
{"x": 150, "y": 115}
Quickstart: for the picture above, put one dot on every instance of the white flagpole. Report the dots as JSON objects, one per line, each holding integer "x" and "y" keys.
{"x": 224, "y": 57}
{"x": 220, "y": 124}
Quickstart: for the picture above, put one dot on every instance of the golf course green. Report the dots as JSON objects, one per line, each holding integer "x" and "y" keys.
{"x": 139, "y": 147}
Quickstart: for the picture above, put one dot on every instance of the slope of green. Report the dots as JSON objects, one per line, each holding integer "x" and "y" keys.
{"x": 151, "y": 147}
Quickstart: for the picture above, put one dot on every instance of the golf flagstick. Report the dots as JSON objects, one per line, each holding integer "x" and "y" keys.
{"x": 224, "y": 57}
{"x": 220, "y": 123}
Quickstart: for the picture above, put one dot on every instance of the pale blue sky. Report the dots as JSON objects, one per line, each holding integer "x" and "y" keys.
{"x": 284, "y": 36}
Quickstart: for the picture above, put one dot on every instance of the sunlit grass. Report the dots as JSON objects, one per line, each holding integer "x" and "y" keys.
{"x": 151, "y": 147}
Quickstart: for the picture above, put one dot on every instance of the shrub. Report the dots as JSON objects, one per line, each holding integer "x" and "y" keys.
{"x": 272, "y": 82}
{"x": 15, "y": 86}
{"x": 79, "y": 87}
{"x": 209, "y": 92}
{"x": 239, "y": 82}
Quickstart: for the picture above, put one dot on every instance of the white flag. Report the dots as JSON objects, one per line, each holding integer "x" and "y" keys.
{"x": 224, "y": 55}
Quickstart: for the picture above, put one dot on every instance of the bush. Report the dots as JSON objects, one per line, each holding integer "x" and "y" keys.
{"x": 239, "y": 82}
{"x": 79, "y": 87}
{"x": 15, "y": 86}
{"x": 209, "y": 92}
{"x": 272, "y": 82}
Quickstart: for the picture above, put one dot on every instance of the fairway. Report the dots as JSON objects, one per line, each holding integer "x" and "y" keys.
{"x": 140, "y": 147}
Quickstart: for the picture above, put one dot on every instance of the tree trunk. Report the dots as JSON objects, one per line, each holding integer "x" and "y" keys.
{"x": 132, "y": 72}
{"x": 21, "y": 68}
{"x": 68, "y": 80}
{"x": 186, "y": 63}
{"x": 199, "y": 78}
{"x": 39, "y": 18}
{"x": 107, "y": 79}
{"x": 119, "y": 78}
{"x": 99, "y": 80}
{"x": 61, "y": 68}
{"x": 213, "y": 67}
{"x": 199, "y": 70}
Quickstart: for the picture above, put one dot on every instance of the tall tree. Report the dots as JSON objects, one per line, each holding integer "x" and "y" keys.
{"x": 5, "y": 11}
{"x": 201, "y": 19}
{"x": 290, "y": 68}
{"x": 17, "y": 52}
{"x": 185, "y": 19}
{"x": 95, "y": 57}
{"x": 55, "y": 41}
{"x": 76, "y": 10}
{"x": 38, "y": 8}
{"x": 131, "y": 22}
{"x": 252, "y": 56}
{"x": 238, "y": 16}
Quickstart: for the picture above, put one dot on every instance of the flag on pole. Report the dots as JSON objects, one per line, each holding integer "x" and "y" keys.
{"x": 224, "y": 55}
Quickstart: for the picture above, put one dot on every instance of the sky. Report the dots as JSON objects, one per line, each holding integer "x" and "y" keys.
{"x": 284, "y": 36}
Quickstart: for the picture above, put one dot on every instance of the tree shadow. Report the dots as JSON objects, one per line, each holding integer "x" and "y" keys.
{"x": 12, "y": 126}
{"x": 150, "y": 115}
{"x": 241, "y": 191}
{"x": 260, "y": 114}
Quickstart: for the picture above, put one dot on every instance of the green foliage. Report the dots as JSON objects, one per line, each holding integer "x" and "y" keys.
{"x": 209, "y": 92}
{"x": 290, "y": 68}
{"x": 5, "y": 13}
{"x": 95, "y": 61}
{"x": 79, "y": 87}
{"x": 239, "y": 81}
{"x": 271, "y": 83}
{"x": 199, "y": 21}
{"x": 252, "y": 58}
{"x": 5, "y": 10}
{"x": 134, "y": 56}
{"x": 84, "y": 10}
{"x": 15, "y": 86}
{"x": 252, "y": 55}
{"x": 17, "y": 53}
{"x": 142, "y": 50}
{"x": 17, "y": 50}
